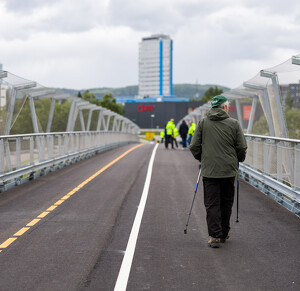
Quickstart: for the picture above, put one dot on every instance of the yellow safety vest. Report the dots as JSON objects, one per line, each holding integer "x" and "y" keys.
{"x": 192, "y": 129}
{"x": 170, "y": 127}
{"x": 175, "y": 132}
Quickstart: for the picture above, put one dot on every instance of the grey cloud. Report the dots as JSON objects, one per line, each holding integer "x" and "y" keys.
{"x": 274, "y": 6}
{"x": 65, "y": 23}
{"x": 26, "y": 5}
{"x": 62, "y": 17}
{"x": 151, "y": 16}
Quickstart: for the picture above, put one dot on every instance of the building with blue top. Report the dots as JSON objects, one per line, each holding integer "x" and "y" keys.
{"x": 156, "y": 66}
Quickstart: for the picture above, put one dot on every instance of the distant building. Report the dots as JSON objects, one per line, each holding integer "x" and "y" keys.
{"x": 155, "y": 66}
{"x": 294, "y": 91}
{"x": 295, "y": 94}
{"x": 3, "y": 90}
{"x": 157, "y": 114}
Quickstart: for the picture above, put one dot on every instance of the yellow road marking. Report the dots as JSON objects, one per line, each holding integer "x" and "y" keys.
{"x": 52, "y": 207}
{"x": 21, "y": 231}
{"x": 66, "y": 197}
{"x": 7, "y": 242}
{"x": 42, "y": 215}
{"x": 33, "y": 222}
{"x": 59, "y": 202}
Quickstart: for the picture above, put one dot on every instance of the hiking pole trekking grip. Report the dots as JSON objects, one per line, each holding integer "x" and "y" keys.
{"x": 237, "y": 195}
{"x": 187, "y": 223}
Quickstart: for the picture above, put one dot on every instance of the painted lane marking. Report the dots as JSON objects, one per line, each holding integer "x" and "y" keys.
{"x": 59, "y": 202}
{"x": 7, "y": 242}
{"x": 21, "y": 231}
{"x": 66, "y": 197}
{"x": 124, "y": 272}
{"x": 51, "y": 208}
{"x": 42, "y": 215}
{"x": 33, "y": 222}
{"x": 63, "y": 199}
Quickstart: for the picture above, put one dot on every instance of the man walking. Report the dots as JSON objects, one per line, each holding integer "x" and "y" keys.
{"x": 183, "y": 131}
{"x": 219, "y": 144}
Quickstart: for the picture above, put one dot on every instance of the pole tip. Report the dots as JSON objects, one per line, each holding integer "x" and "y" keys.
{"x": 185, "y": 231}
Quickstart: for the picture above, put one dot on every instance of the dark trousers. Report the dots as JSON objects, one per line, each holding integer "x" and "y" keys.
{"x": 218, "y": 201}
{"x": 175, "y": 141}
{"x": 169, "y": 139}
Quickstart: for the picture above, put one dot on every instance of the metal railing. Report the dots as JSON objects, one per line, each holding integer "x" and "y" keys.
{"x": 24, "y": 157}
{"x": 273, "y": 166}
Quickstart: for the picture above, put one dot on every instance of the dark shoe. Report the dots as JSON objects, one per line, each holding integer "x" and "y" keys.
{"x": 214, "y": 242}
{"x": 223, "y": 240}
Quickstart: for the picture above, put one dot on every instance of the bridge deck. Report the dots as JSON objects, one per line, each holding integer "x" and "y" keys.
{"x": 80, "y": 244}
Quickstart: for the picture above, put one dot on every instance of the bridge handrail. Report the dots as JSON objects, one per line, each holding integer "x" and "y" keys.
{"x": 273, "y": 165}
{"x": 273, "y": 138}
{"x": 26, "y": 156}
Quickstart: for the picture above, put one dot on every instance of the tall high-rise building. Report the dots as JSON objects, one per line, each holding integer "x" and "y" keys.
{"x": 156, "y": 65}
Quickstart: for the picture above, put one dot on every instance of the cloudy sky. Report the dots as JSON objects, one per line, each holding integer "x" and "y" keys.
{"x": 83, "y": 44}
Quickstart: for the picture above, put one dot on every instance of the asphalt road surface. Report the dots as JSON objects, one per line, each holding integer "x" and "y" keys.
{"x": 71, "y": 230}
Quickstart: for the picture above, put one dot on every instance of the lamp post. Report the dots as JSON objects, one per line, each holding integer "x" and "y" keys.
{"x": 152, "y": 117}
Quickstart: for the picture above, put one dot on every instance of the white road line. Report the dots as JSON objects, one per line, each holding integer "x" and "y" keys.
{"x": 123, "y": 276}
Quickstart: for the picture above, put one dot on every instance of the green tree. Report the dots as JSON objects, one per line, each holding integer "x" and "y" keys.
{"x": 261, "y": 127}
{"x": 288, "y": 101}
{"x": 90, "y": 97}
{"x": 22, "y": 122}
{"x": 211, "y": 92}
{"x": 42, "y": 109}
{"x": 109, "y": 102}
{"x": 292, "y": 118}
{"x": 60, "y": 118}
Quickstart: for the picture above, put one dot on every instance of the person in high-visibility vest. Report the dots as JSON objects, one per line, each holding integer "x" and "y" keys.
{"x": 169, "y": 133}
{"x": 175, "y": 133}
{"x": 162, "y": 136}
{"x": 191, "y": 131}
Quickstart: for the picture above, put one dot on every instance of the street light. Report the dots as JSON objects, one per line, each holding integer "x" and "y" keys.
{"x": 152, "y": 117}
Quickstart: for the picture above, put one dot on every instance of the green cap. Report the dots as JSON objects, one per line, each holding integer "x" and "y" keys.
{"x": 218, "y": 100}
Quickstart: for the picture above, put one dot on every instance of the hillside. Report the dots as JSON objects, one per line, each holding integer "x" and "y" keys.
{"x": 179, "y": 90}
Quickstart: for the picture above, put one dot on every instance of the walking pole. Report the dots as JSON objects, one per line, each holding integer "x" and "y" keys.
{"x": 237, "y": 196}
{"x": 187, "y": 223}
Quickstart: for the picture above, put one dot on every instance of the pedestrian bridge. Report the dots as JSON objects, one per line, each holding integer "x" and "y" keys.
{"x": 97, "y": 209}
{"x": 116, "y": 220}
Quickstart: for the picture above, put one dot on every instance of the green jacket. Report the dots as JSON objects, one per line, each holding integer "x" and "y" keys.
{"x": 219, "y": 144}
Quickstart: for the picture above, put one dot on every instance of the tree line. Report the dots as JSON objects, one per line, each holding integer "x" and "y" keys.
{"x": 22, "y": 122}
{"x": 292, "y": 118}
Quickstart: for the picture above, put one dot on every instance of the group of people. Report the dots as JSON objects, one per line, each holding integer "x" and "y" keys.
{"x": 219, "y": 144}
{"x": 170, "y": 133}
